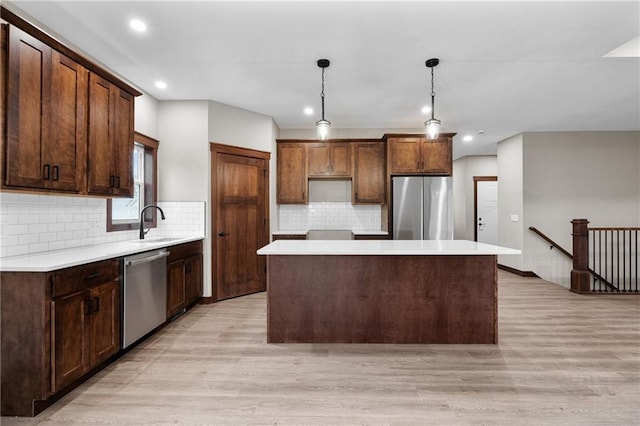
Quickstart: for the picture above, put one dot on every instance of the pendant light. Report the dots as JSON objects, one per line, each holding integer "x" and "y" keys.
{"x": 323, "y": 125}
{"x": 432, "y": 126}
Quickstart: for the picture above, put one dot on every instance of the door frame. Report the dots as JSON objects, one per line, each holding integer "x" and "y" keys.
{"x": 477, "y": 179}
{"x": 216, "y": 149}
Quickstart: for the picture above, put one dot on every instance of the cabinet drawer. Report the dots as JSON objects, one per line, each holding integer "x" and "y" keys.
{"x": 184, "y": 250}
{"x": 66, "y": 281}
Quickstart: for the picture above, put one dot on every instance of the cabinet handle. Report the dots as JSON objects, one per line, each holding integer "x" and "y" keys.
{"x": 46, "y": 172}
{"x": 187, "y": 267}
{"x": 88, "y": 310}
{"x": 56, "y": 173}
{"x": 117, "y": 181}
{"x": 418, "y": 165}
{"x": 96, "y": 304}
{"x": 92, "y": 276}
{"x": 112, "y": 181}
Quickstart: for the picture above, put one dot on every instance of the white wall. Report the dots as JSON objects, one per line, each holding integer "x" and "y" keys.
{"x": 464, "y": 169}
{"x": 510, "y": 199}
{"x": 146, "y": 115}
{"x": 567, "y": 175}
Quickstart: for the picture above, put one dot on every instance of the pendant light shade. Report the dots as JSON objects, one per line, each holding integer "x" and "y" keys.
{"x": 323, "y": 125}
{"x": 432, "y": 126}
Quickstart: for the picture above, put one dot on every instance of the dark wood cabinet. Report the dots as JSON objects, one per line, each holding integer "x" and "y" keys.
{"x": 330, "y": 159}
{"x": 69, "y": 124}
{"x": 292, "y": 186}
{"x": 368, "y": 186}
{"x": 110, "y": 139}
{"x": 46, "y": 100}
{"x": 184, "y": 277}
{"x": 57, "y": 327}
{"x": 419, "y": 155}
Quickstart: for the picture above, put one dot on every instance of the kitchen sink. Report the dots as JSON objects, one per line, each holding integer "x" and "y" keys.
{"x": 156, "y": 240}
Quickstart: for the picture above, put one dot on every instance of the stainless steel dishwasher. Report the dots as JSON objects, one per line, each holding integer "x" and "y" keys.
{"x": 145, "y": 294}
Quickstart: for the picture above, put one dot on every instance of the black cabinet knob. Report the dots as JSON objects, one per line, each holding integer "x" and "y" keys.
{"x": 221, "y": 234}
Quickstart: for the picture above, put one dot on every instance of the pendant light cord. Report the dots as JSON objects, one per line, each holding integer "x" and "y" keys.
{"x": 322, "y": 94}
{"x": 433, "y": 95}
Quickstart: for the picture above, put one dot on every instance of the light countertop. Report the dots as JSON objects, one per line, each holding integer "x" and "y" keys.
{"x": 383, "y": 248}
{"x": 64, "y": 258}
{"x": 303, "y": 232}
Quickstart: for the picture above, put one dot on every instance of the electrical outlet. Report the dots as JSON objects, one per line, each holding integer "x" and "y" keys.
{"x": 514, "y": 218}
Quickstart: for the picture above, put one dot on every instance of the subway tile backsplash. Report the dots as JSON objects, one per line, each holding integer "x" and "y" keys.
{"x": 329, "y": 215}
{"x": 31, "y": 223}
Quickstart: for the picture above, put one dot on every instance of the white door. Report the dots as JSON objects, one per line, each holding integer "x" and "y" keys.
{"x": 487, "y": 213}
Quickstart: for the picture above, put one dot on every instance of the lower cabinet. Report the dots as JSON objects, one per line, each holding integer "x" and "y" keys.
{"x": 184, "y": 277}
{"x": 56, "y": 327}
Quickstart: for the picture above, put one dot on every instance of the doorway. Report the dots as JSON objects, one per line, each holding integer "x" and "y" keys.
{"x": 485, "y": 206}
{"x": 240, "y": 220}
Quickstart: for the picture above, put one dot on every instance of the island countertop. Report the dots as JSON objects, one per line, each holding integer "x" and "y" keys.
{"x": 383, "y": 248}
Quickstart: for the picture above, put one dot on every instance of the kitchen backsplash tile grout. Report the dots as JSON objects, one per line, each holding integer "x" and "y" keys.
{"x": 32, "y": 223}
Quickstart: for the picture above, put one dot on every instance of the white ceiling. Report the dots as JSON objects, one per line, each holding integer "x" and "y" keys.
{"x": 505, "y": 67}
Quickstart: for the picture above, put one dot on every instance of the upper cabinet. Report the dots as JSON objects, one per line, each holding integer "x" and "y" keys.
{"x": 418, "y": 155}
{"x": 368, "y": 186}
{"x": 69, "y": 124}
{"x": 331, "y": 159}
{"x": 110, "y": 141}
{"x": 292, "y": 174}
{"x": 46, "y": 100}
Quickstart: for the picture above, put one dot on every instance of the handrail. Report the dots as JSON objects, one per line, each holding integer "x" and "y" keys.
{"x": 570, "y": 256}
{"x": 550, "y": 241}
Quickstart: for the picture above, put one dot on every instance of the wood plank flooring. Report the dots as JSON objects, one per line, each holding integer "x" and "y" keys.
{"x": 562, "y": 359}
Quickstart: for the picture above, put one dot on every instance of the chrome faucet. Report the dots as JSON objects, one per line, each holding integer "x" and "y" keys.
{"x": 142, "y": 231}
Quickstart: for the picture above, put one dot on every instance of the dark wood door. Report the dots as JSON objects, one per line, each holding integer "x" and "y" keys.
{"x": 368, "y": 173}
{"x": 100, "y": 155}
{"x": 105, "y": 321}
{"x": 123, "y": 141}
{"x": 175, "y": 287}
{"x": 292, "y": 173}
{"x": 71, "y": 338}
{"x": 404, "y": 155}
{"x": 241, "y": 226}
{"x": 67, "y": 139}
{"x": 28, "y": 111}
{"x": 193, "y": 278}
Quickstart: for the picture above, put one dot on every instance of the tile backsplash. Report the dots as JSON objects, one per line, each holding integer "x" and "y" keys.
{"x": 31, "y": 223}
{"x": 329, "y": 215}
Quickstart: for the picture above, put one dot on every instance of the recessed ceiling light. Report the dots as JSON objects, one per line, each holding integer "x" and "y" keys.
{"x": 467, "y": 138}
{"x": 138, "y": 25}
{"x": 308, "y": 111}
{"x": 426, "y": 109}
{"x": 161, "y": 85}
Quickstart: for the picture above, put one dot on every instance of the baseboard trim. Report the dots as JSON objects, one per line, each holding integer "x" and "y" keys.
{"x": 206, "y": 300}
{"x": 529, "y": 274}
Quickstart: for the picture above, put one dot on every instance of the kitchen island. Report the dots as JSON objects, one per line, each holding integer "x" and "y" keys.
{"x": 387, "y": 291}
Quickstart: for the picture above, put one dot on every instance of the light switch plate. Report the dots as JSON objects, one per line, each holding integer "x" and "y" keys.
{"x": 514, "y": 218}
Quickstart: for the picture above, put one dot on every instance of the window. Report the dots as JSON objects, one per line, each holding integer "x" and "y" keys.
{"x": 124, "y": 213}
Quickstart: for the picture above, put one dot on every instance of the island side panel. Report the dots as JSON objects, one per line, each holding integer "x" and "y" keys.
{"x": 382, "y": 299}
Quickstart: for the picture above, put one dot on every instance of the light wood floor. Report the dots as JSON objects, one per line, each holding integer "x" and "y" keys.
{"x": 562, "y": 359}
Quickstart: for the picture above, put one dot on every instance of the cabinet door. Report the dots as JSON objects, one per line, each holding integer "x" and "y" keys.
{"x": 105, "y": 321}
{"x": 193, "y": 278}
{"x": 436, "y": 155}
{"x": 70, "y": 338}
{"x": 68, "y": 129}
{"x": 100, "y": 157}
{"x": 123, "y": 142}
{"x": 175, "y": 287}
{"x": 404, "y": 155}
{"x": 292, "y": 173}
{"x": 340, "y": 159}
{"x": 318, "y": 160}
{"x": 28, "y": 111}
{"x": 368, "y": 174}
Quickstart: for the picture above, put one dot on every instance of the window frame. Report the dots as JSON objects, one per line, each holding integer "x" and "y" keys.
{"x": 151, "y": 188}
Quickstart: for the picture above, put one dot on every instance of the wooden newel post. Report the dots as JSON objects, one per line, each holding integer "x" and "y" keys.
{"x": 580, "y": 276}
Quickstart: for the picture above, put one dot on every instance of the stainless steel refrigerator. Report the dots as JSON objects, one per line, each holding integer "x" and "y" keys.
{"x": 422, "y": 208}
